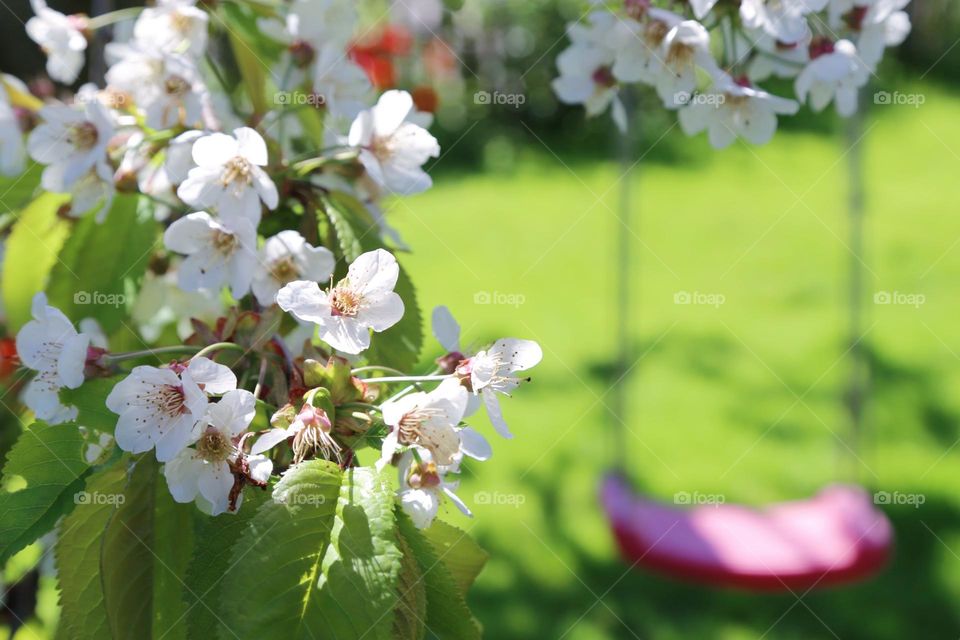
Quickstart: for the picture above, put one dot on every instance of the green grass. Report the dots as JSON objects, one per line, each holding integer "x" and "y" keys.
{"x": 713, "y": 400}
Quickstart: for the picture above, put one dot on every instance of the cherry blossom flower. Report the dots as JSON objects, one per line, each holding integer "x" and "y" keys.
{"x": 228, "y": 175}
{"x": 166, "y": 86}
{"x": 393, "y": 149}
{"x": 585, "y": 69}
{"x": 342, "y": 83}
{"x": 346, "y": 313}
{"x": 173, "y": 26}
{"x": 731, "y": 109}
{"x": 217, "y": 253}
{"x": 685, "y": 47}
{"x": 640, "y": 57}
{"x": 835, "y": 73}
{"x": 492, "y": 371}
{"x": 61, "y": 38}
{"x": 71, "y": 142}
{"x": 11, "y": 135}
{"x": 784, "y": 20}
{"x": 287, "y": 257}
{"x": 310, "y": 431}
{"x": 50, "y": 345}
{"x": 94, "y": 191}
{"x": 431, "y": 421}
{"x": 314, "y": 23}
{"x": 204, "y": 472}
{"x": 423, "y": 485}
{"x": 163, "y": 408}
{"x": 882, "y": 24}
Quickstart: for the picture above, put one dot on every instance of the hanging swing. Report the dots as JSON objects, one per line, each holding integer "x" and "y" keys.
{"x": 833, "y": 538}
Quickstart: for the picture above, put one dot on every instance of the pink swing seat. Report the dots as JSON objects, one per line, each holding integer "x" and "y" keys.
{"x": 836, "y": 537}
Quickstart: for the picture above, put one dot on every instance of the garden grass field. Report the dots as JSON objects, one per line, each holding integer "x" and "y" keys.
{"x": 741, "y": 399}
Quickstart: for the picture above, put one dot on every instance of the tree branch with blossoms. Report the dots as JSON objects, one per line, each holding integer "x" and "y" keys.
{"x": 207, "y": 308}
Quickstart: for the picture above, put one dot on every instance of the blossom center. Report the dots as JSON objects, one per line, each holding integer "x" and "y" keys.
{"x": 680, "y": 55}
{"x": 655, "y": 32}
{"x": 237, "y": 170}
{"x": 344, "y": 301}
{"x": 603, "y": 77}
{"x": 224, "y": 242}
{"x": 284, "y": 270}
{"x": 214, "y": 445}
{"x": 180, "y": 22}
{"x": 176, "y": 86}
{"x": 83, "y": 135}
{"x": 424, "y": 476}
{"x": 169, "y": 400}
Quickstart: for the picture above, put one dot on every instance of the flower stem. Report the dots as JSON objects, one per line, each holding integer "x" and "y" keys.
{"x": 113, "y": 17}
{"x": 130, "y": 355}
{"x": 389, "y": 379}
{"x": 377, "y": 367}
{"x": 217, "y": 346}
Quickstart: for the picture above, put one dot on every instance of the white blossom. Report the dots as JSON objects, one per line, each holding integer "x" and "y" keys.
{"x": 346, "y": 313}
{"x": 491, "y": 372}
{"x": 287, "y": 257}
{"x": 784, "y": 20}
{"x": 50, "y": 345}
{"x": 342, "y": 83}
{"x": 203, "y": 472}
{"x": 229, "y": 177}
{"x": 217, "y": 253}
{"x": 173, "y": 26}
{"x": 61, "y": 39}
{"x": 11, "y": 135}
{"x": 423, "y": 485}
{"x": 836, "y": 76}
{"x": 393, "y": 149}
{"x": 884, "y": 24}
{"x": 71, "y": 141}
{"x": 163, "y": 408}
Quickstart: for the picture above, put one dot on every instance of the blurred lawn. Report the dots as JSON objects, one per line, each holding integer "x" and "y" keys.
{"x": 743, "y": 399}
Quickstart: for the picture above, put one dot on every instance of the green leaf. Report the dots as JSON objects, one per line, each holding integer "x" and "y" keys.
{"x": 447, "y": 612}
{"x": 361, "y": 565}
{"x": 346, "y": 227}
{"x": 462, "y": 556}
{"x": 46, "y": 462}
{"x": 247, "y": 43}
{"x": 278, "y": 558}
{"x": 211, "y": 566}
{"x": 408, "y": 622}
{"x": 90, "y": 400}
{"x": 31, "y": 252}
{"x": 127, "y": 558}
{"x": 78, "y": 568}
{"x": 100, "y": 263}
{"x": 453, "y": 5}
{"x": 172, "y": 549}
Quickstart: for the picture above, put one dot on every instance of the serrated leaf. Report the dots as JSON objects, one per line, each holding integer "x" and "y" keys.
{"x": 31, "y": 251}
{"x": 411, "y": 614}
{"x": 78, "y": 565}
{"x": 90, "y": 400}
{"x": 278, "y": 558}
{"x": 361, "y": 565}
{"x": 47, "y": 458}
{"x": 126, "y": 556}
{"x": 348, "y": 231}
{"x": 447, "y": 613}
{"x": 460, "y": 553}
{"x": 211, "y": 566}
{"x": 99, "y": 260}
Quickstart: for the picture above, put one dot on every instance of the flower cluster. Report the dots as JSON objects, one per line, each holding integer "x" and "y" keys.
{"x": 285, "y": 307}
{"x": 705, "y": 59}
